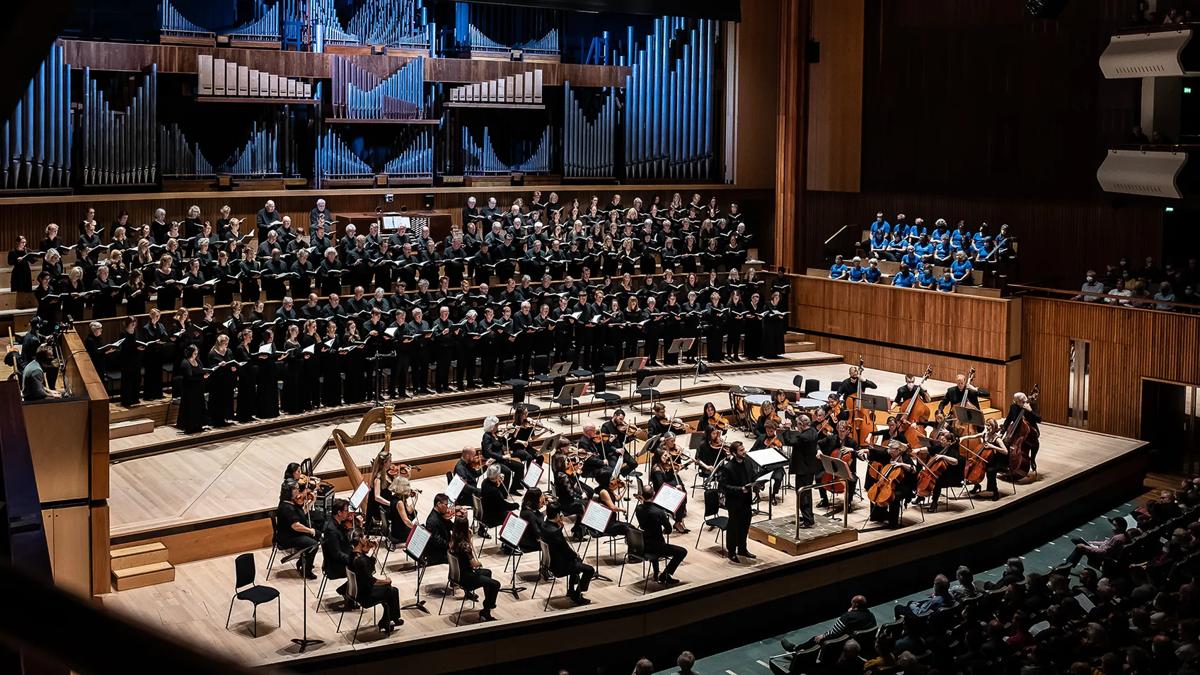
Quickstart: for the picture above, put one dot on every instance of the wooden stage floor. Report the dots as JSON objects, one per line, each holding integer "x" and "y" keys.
{"x": 206, "y": 481}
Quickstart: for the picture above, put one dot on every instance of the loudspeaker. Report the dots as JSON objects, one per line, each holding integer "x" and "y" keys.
{"x": 428, "y": 202}
{"x": 1045, "y": 9}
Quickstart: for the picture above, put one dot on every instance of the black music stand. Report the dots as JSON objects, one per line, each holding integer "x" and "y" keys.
{"x": 596, "y": 534}
{"x": 630, "y": 366}
{"x": 648, "y": 387}
{"x": 419, "y": 558}
{"x": 304, "y": 641}
{"x": 678, "y": 347}
{"x": 969, "y": 416}
{"x": 514, "y": 558}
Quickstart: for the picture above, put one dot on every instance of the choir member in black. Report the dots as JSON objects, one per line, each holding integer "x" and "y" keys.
{"x": 472, "y": 341}
{"x": 906, "y": 392}
{"x": 336, "y": 550}
{"x": 51, "y": 240}
{"x": 522, "y": 331}
{"x": 223, "y": 271}
{"x": 130, "y": 357}
{"x": 564, "y": 328}
{"x": 136, "y": 294}
{"x": 960, "y": 392}
{"x": 372, "y": 590}
{"x": 331, "y": 365}
{"x": 445, "y": 341}
{"x": 880, "y": 458}
{"x": 654, "y": 523}
{"x": 438, "y": 524}
{"x": 666, "y": 472}
{"x": 472, "y": 574}
{"x": 274, "y": 272}
{"x": 632, "y": 318}
{"x": 104, "y": 302}
{"x": 19, "y": 258}
{"x": 293, "y": 365}
{"x": 690, "y": 325}
{"x": 295, "y": 530}
{"x": 1021, "y": 402}
{"x": 713, "y": 322}
{"x": 75, "y": 294}
{"x": 267, "y": 380}
{"x": 153, "y": 331}
{"x": 310, "y": 365}
{"x": 193, "y": 277}
{"x": 250, "y": 271}
{"x": 591, "y": 331}
{"x": 774, "y": 326}
{"x": 390, "y": 339}
{"x": 419, "y": 330}
{"x": 568, "y": 493}
{"x": 737, "y": 482}
{"x": 191, "y": 392}
{"x": 165, "y": 283}
{"x": 300, "y": 284}
{"x": 351, "y": 352}
{"x": 220, "y": 382}
{"x": 735, "y": 326}
{"x": 564, "y": 561}
{"x": 247, "y": 396}
{"x": 753, "y": 325}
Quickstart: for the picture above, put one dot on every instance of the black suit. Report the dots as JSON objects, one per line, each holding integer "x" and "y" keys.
{"x": 439, "y": 538}
{"x": 954, "y": 398}
{"x": 565, "y": 562}
{"x": 654, "y": 523}
{"x": 495, "y": 504}
{"x": 337, "y": 551}
{"x": 735, "y": 475}
{"x": 805, "y": 466}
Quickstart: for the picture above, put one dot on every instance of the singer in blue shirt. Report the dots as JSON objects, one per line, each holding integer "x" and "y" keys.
{"x": 857, "y": 271}
{"x": 925, "y": 278}
{"x": 838, "y": 271}
{"x": 946, "y": 283}
{"x": 961, "y": 268}
{"x": 904, "y": 278}
{"x": 880, "y": 225}
{"x": 873, "y": 274}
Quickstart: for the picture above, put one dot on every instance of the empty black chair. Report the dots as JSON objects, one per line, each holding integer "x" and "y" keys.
{"x": 712, "y": 515}
{"x": 811, "y": 385}
{"x": 245, "y": 589}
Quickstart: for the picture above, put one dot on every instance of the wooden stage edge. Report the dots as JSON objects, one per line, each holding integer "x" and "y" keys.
{"x": 719, "y": 605}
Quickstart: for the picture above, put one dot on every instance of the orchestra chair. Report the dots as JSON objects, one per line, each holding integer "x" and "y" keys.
{"x": 245, "y": 589}
{"x": 391, "y": 544}
{"x": 866, "y": 640}
{"x": 568, "y": 401}
{"x": 556, "y": 375}
{"x": 518, "y": 390}
{"x": 488, "y": 520}
{"x": 321, "y": 588}
{"x": 352, "y": 590}
{"x": 543, "y": 572}
{"x": 635, "y": 552}
{"x": 712, "y": 516}
{"x": 453, "y": 581}
{"x": 601, "y": 393}
{"x": 801, "y": 661}
{"x": 275, "y": 546}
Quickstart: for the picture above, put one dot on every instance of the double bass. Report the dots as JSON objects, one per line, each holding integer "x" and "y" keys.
{"x": 1018, "y": 437}
{"x": 916, "y": 410}
{"x": 862, "y": 422}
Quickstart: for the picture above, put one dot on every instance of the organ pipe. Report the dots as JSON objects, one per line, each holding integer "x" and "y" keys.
{"x": 360, "y": 94}
{"x": 487, "y": 29}
{"x": 119, "y": 145}
{"x": 37, "y": 138}
{"x": 588, "y": 139}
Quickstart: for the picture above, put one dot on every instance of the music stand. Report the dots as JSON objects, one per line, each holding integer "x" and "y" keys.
{"x": 840, "y": 470}
{"x": 650, "y": 384}
{"x": 969, "y": 416}
{"x": 763, "y": 464}
{"x": 596, "y": 515}
{"x": 558, "y": 371}
{"x": 304, "y": 641}
{"x": 630, "y": 366}
{"x": 875, "y": 403}
{"x": 511, "y": 532}
{"x": 678, "y": 347}
{"x": 418, "y": 539}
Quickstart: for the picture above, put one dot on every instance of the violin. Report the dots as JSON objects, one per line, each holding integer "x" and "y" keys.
{"x": 477, "y": 462}
{"x": 719, "y": 422}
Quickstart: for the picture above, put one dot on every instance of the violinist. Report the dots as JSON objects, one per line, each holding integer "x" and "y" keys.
{"x": 783, "y": 407}
{"x": 500, "y": 450}
{"x": 610, "y": 493}
{"x": 374, "y": 591}
{"x": 472, "y": 574}
{"x": 493, "y": 497}
{"x": 659, "y": 424}
{"x": 568, "y": 493}
{"x": 737, "y": 483}
{"x": 618, "y": 432}
{"x": 469, "y": 468}
{"x": 850, "y": 385}
{"x": 900, "y": 474}
{"x": 670, "y": 446}
{"x": 336, "y": 550}
{"x": 1022, "y": 407}
{"x": 596, "y": 463}
{"x": 766, "y": 414}
{"x": 532, "y": 507}
{"x": 402, "y": 516}
{"x": 805, "y": 465}
{"x": 381, "y": 493}
{"x": 654, "y": 523}
{"x": 962, "y": 393}
{"x": 711, "y": 450}
{"x": 295, "y": 531}
{"x": 666, "y": 472}
{"x": 907, "y": 391}
{"x": 842, "y": 445}
{"x": 438, "y": 523}
{"x": 712, "y": 419}
{"x": 993, "y": 452}
{"x": 769, "y": 438}
{"x": 833, "y": 408}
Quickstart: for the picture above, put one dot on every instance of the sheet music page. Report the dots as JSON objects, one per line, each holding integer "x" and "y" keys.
{"x": 533, "y": 475}
{"x": 670, "y": 497}
{"x": 597, "y": 516}
{"x": 360, "y": 494}
{"x": 513, "y": 529}
{"x": 418, "y": 539}
{"x": 455, "y": 488}
{"x": 766, "y": 457}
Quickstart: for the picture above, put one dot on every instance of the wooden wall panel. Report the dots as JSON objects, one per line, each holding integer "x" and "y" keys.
{"x": 835, "y": 100}
{"x": 1125, "y": 345}
{"x": 752, "y": 77}
{"x": 955, "y": 324}
{"x": 28, "y": 216}
{"x": 68, "y": 540}
{"x": 58, "y": 441}
{"x": 1059, "y": 238}
{"x": 791, "y": 135}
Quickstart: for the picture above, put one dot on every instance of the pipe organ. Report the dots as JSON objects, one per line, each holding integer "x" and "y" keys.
{"x": 408, "y": 157}
{"x": 270, "y": 151}
{"x": 525, "y": 88}
{"x": 524, "y": 155}
{"x": 402, "y": 24}
{"x": 37, "y": 137}
{"x": 669, "y": 100}
{"x": 326, "y": 26}
{"x": 219, "y": 77}
{"x": 118, "y": 144}
{"x": 358, "y": 93}
{"x": 589, "y": 132}
{"x": 262, "y": 28}
{"x": 174, "y": 25}
{"x": 179, "y": 158}
{"x": 498, "y": 30}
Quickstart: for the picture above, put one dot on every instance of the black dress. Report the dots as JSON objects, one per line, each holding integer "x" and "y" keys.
{"x": 191, "y": 395}
{"x": 131, "y": 370}
{"x": 22, "y": 276}
{"x": 135, "y": 300}
{"x": 220, "y": 388}
{"x": 331, "y": 371}
{"x": 267, "y": 385}
{"x": 167, "y": 293}
{"x": 293, "y": 381}
{"x": 247, "y": 391}
{"x": 152, "y": 360}
{"x": 773, "y": 328}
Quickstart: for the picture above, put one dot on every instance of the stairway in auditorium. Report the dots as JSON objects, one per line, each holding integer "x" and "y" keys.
{"x": 139, "y": 566}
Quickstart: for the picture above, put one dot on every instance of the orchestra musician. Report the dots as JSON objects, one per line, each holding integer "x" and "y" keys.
{"x": 472, "y": 574}
{"x": 654, "y": 522}
{"x": 336, "y": 549}
{"x": 294, "y": 530}
{"x": 711, "y": 450}
{"x": 944, "y": 448}
{"x": 373, "y": 590}
{"x": 617, "y": 433}
{"x": 960, "y": 392}
{"x": 841, "y": 444}
{"x": 532, "y": 512}
{"x": 493, "y": 498}
{"x": 667, "y": 465}
{"x": 711, "y": 419}
{"x": 1021, "y": 403}
{"x": 893, "y": 455}
{"x": 438, "y": 524}
{"x": 992, "y": 440}
{"x": 908, "y": 391}
{"x": 564, "y": 561}
{"x": 737, "y": 483}
{"x": 849, "y": 386}
{"x": 568, "y": 492}
{"x": 402, "y": 515}
{"x": 501, "y": 451}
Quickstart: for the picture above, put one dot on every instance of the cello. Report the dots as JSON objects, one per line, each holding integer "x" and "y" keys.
{"x": 846, "y": 455}
{"x": 1018, "y": 437}
{"x": 906, "y": 422}
{"x": 862, "y": 422}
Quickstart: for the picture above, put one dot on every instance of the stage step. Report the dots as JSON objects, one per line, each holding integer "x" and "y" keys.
{"x": 137, "y": 556}
{"x": 795, "y": 347}
{"x": 143, "y": 575}
{"x": 793, "y": 336}
{"x": 134, "y": 427}
{"x": 160, "y": 412}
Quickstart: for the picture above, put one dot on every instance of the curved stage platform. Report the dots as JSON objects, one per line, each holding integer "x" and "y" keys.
{"x": 719, "y": 603}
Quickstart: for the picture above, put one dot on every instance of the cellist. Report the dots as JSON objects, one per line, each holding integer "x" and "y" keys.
{"x": 893, "y": 456}
{"x": 992, "y": 452}
{"x": 841, "y": 445}
{"x": 944, "y": 461}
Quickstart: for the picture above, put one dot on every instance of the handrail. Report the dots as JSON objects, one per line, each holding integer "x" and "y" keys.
{"x": 1105, "y": 299}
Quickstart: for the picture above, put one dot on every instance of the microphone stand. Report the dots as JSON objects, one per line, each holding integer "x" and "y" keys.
{"x": 304, "y": 641}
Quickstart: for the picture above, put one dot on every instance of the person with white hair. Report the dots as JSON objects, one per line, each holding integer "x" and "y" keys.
{"x": 266, "y": 219}
{"x": 330, "y": 272}
{"x": 497, "y": 449}
{"x": 319, "y": 212}
{"x": 1022, "y": 408}
{"x": 493, "y": 498}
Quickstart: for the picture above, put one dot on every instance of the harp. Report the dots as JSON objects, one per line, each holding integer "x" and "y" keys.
{"x": 344, "y": 441}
